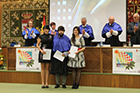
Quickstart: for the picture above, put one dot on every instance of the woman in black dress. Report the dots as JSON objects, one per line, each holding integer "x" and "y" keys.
{"x": 46, "y": 41}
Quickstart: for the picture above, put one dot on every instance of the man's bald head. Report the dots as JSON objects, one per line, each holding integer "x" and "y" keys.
{"x": 136, "y": 17}
{"x": 111, "y": 19}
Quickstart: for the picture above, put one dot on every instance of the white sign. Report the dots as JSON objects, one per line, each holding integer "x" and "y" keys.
{"x": 27, "y": 59}
{"x": 126, "y": 61}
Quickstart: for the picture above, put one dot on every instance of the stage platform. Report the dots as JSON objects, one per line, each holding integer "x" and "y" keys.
{"x": 87, "y": 79}
{"x": 98, "y": 71}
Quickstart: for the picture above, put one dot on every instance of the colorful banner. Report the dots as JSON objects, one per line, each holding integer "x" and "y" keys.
{"x": 27, "y": 59}
{"x": 126, "y": 60}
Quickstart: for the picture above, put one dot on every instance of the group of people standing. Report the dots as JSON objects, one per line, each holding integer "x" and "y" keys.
{"x": 111, "y": 32}
{"x": 30, "y": 34}
{"x": 56, "y": 41}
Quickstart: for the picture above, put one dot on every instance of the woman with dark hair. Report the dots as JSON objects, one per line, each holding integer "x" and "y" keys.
{"x": 30, "y": 34}
{"x": 60, "y": 43}
{"x": 53, "y": 31}
{"x": 79, "y": 61}
{"x": 46, "y": 41}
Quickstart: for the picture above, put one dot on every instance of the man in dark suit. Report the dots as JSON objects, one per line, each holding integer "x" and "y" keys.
{"x": 134, "y": 29}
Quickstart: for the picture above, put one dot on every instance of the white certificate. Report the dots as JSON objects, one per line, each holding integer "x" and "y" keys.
{"x": 47, "y": 56}
{"x": 58, "y": 55}
{"x": 72, "y": 51}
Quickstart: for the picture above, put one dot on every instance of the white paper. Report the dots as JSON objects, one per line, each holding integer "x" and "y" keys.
{"x": 72, "y": 51}
{"x": 47, "y": 56}
{"x": 16, "y": 45}
{"x": 106, "y": 45}
{"x": 136, "y": 45}
{"x": 58, "y": 55}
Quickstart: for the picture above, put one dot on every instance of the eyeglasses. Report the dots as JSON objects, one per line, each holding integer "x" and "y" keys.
{"x": 135, "y": 17}
{"x": 111, "y": 19}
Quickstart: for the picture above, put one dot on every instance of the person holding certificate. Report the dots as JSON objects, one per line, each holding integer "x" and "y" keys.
{"x": 61, "y": 46}
{"x": 78, "y": 61}
{"x": 45, "y": 53}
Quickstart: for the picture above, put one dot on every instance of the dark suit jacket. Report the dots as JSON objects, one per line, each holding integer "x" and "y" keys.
{"x": 135, "y": 37}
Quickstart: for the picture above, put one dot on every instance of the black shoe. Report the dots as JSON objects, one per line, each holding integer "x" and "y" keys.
{"x": 43, "y": 87}
{"x": 57, "y": 86}
{"x": 77, "y": 86}
{"x": 47, "y": 87}
{"x": 64, "y": 86}
{"x": 74, "y": 85}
